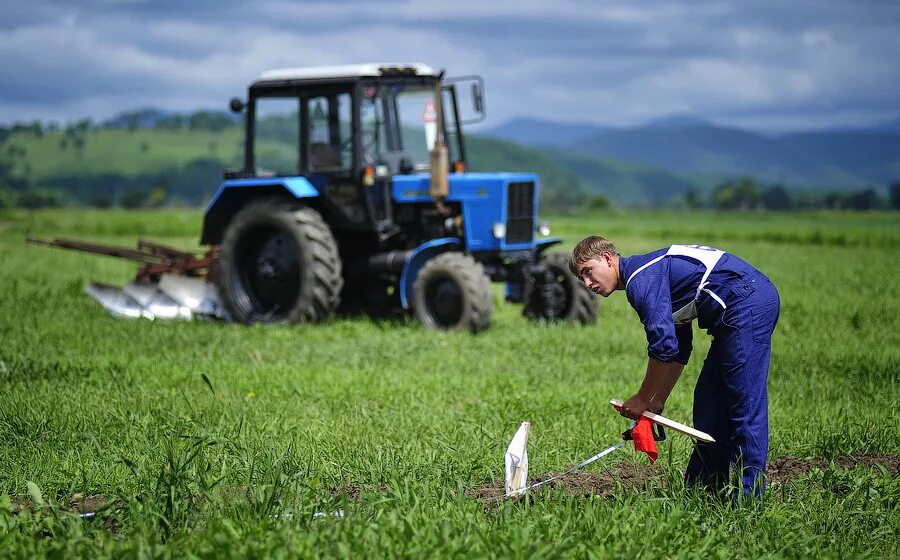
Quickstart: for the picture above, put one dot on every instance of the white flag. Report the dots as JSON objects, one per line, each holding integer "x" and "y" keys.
{"x": 517, "y": 461}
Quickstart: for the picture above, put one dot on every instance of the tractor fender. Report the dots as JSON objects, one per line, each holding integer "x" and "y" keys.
{"x": 234, "y": 194}
{"x": 542, "y": 245}
{"x": 417, "y": 259}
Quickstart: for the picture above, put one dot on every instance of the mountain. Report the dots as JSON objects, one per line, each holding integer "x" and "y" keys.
{"x": 892, "y": 125}
{"x": 869, "y": 157}
{"x": 628, "y": 183}
{"x": 568, "y": 176}
{"x": 686, "y": 144}
{"x": 681, "y": 120}
{"x": 537, "y": 132}
{"x": 713, "y": 149}
{"x": 187, "y": 163}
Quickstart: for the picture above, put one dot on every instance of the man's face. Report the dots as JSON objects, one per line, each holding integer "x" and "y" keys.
{"x": 600, "y": 275}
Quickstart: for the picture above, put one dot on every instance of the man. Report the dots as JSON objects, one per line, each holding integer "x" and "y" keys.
{"x": 738, "y": 306}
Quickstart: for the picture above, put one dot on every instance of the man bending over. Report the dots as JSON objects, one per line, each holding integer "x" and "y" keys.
{"x": 738, "y": 306}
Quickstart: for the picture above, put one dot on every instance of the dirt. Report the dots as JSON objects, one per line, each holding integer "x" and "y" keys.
{"x": 619, "y": 477}
{"x": 625, "y": 476}
{"x": 87, "y": 504}
{"x": 353, "y": 491}
{"x": 584, "y": 484}
{"x": 785, "y": 468}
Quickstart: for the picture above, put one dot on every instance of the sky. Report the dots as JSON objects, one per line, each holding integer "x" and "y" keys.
{"x": 765, "y": 64}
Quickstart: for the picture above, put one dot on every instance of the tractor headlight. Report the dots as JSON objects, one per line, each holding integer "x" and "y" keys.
{"x": 544, "y": 228}
{"x": 499, "y": 230}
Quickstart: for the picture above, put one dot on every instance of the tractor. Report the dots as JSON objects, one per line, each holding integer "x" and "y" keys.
{"x": 355, "y": 196}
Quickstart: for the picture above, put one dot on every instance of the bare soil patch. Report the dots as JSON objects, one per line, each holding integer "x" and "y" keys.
{"x": 625, "y": 476}
{"x": 784, "y": 468}
{"x": 583, "y": 484}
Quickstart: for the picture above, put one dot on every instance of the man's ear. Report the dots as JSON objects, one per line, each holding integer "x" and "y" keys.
{"x": 607, "y": 256}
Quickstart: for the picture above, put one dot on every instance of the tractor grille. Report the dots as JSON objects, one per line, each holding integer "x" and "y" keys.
{"x": 519, "y": 212}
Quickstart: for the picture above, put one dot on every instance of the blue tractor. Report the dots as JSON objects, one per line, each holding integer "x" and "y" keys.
{"x": 355, "y": 196}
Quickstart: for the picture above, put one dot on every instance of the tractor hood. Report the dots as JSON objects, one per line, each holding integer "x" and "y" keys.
{"x": 488, "y": 201}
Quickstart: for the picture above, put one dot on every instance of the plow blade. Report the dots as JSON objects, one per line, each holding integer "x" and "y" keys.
{"x": 115, "y": 300}
{"x": 198, "y": 295}
{"x": 155, "y": 303}
{"x": 173, "y": 297}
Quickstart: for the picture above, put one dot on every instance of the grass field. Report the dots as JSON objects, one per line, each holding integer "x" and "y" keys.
{"x": 216, "y": 440}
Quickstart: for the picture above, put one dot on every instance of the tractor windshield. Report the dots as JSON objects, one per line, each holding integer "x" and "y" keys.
{"x": 399, "y": 127}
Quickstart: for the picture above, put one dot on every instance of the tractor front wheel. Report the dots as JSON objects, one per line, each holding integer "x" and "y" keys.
{"x": 452, "y": 292}
{"x": 559, "y": 296}
{"x": 279, "y": 263}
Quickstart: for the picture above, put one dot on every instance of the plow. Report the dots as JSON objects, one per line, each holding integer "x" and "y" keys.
{"x": 169, "y": 284}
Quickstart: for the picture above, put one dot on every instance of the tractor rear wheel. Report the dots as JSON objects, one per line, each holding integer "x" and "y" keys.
{"x": 279, "y": 263}
{"x": 452, "y": 292}
{"x": 563, "y": 298}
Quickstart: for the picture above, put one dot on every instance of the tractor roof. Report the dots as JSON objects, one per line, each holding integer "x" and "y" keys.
{"x": 347, "y": 71}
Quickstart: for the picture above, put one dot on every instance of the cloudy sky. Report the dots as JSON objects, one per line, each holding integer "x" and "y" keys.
{"x": 766, "y": 64}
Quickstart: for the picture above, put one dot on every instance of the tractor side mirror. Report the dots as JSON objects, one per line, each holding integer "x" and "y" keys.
{"x": 236, "y": 105}
{"x": 477, "y": 98}
{"x": 476, "y": 111}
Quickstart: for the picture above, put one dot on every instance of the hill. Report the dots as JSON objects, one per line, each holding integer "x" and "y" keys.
{"x": 101, "y": 164}
{"x": 841, "y": 159}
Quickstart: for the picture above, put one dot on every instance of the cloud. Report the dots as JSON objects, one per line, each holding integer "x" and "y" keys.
{"x": 612, "y": 62}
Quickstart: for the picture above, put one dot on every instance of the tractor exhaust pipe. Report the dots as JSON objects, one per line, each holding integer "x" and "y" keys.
{"x": 440, "y": 160}
{"x": 392, "y": 261}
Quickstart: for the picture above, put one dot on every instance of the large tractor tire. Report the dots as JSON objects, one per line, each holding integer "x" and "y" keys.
{"x": 279, "y": 263}
{"x": 571, "y": 301}
{"x": 452, "y": 292}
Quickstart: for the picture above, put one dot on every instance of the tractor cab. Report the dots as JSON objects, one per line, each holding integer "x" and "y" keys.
{"x": 349, "y": 129}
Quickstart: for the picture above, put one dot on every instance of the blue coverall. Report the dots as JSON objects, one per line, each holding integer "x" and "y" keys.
{"x": 739, "y": 307}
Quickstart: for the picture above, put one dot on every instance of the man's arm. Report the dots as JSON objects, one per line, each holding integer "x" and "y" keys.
{"x": 658, "y": 383}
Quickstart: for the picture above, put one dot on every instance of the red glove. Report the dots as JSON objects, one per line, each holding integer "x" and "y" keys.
{"x": 642, "y": 434}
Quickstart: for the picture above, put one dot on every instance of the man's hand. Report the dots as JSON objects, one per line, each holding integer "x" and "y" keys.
{"x": 636, "y": 405}
{"x": 633, "y": 407}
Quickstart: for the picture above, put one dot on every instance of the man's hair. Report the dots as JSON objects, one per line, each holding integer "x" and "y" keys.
{"x": 590, "y": 248}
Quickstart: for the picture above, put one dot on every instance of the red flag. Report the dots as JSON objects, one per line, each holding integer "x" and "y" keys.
{"x": 642, "y": 434}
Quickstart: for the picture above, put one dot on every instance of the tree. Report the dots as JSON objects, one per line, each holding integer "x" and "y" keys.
{"x": 599, "y": 202}
{"x": 101, "y": 200}
{"x": 34, "y": 199}
{"x": 692, "y": 199}
{"x": 833, "y": 201}
{"x": 742, "y": 194}
{"x": 156, "y": 197}
{"x": 895, "y": 195}
{"x": 777, "y": 198}
{"x": 866, "y": 199}
{"x": 133, "y": 198}
{"x": 213, "y": 121}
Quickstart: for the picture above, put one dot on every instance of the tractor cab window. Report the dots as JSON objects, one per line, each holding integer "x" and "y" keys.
{"x": 276, "y": 140}
{"x": 399, "y": 127}
{"x": 330, "y": 140}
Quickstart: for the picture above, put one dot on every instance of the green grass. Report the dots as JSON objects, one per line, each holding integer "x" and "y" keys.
{"x": 412, "y": 418}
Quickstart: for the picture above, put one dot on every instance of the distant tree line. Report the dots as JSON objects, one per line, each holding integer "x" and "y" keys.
{"x": 189, "y": 185}
{"x": 212, "y": 121}
{"x": 746, "y": 194}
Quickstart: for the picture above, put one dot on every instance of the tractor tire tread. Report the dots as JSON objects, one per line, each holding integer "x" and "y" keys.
{"x": 472, "y": 279}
